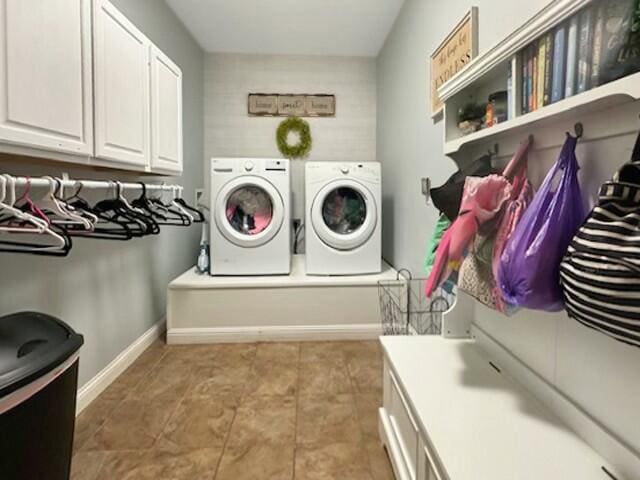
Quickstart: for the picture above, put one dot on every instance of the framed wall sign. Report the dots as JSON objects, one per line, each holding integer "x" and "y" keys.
{"x": 452, "y": 55}
{"x": 321, "y": 105}
{"x": 261, "y": 104}
{"x": 287, "y": 105}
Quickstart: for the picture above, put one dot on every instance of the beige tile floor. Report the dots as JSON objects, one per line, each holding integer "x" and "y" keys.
{"x": 303, "y": 411}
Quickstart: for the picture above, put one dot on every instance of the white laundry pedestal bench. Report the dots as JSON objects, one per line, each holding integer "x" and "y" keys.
{"x": 202, "y": 309}
{"x": 449, "y": 414}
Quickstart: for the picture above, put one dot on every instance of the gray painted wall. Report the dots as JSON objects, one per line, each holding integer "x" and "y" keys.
{"x": 112, "y": 292}
{"x": 230, "y": 132}
{"x": 600, "y": 375}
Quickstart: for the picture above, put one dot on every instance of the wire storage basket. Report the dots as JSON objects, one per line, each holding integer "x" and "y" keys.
{"x": 405, "y": 310}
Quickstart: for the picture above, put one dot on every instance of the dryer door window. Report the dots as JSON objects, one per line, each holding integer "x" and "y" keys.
{"x": 344, "y": 210}
{"x": 249, "y": 211}
{"x": 344, "y": 214}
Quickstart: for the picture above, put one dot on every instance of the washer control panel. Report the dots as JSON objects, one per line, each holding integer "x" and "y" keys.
{"x": 255, "y": 166}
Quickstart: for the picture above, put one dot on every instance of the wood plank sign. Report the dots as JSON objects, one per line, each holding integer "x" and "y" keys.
{"x": 453, "y": 54}
{"x": 286, "y": 105}
{"x": 291, "y": 105}
{"x": 263, "y": 104}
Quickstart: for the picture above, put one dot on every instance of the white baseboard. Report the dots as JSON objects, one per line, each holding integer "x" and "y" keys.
{"x": 177, "y": 336}
{"x": 94, "y": 387}
{"x": 605, "y": 442}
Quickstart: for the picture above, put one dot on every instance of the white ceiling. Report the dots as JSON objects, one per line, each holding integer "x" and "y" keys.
{"x": 304, "y": 27}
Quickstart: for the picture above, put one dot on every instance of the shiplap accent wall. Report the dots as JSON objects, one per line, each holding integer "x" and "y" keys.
{"x": 230, "y": 132}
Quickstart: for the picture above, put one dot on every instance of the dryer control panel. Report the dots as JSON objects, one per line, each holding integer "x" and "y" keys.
{"x": 366, "y": 171}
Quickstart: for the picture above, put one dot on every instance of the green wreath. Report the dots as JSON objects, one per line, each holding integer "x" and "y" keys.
{"x": 301, "y": 127}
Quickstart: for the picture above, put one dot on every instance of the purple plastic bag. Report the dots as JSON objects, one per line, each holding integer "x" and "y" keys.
{"x": 528, "y": 275}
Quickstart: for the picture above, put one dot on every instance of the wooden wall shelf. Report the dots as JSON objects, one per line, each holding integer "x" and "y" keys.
{"x": 488, "y": 73}
{"x": 615, "y": 93}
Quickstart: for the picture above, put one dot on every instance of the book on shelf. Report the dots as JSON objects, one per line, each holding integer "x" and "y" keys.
{"x": 585, "y": 41}
{"x": 524, "y": 99}
{"x": 530, "y": 77}
{"x": 559, "y": 64}
{"x": 548, "y": 74}
{"x": 534, "y": 78}
{"x": 511, "y": 104}
{"x": 542, "y": 65}
{"x": 619, "y": 55}
{"x": 596, "y": 50}
{"x": 572, "y": 56}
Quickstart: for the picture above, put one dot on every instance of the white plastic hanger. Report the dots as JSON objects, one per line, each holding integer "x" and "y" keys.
{"x": 40, "y": 226}
{"x": 33, "y": 224}
{"x": 87, "y": 219}
{"x": 121, "y": 197}
{"x": 63, "y": 214}
{"x": 175, "y": 190}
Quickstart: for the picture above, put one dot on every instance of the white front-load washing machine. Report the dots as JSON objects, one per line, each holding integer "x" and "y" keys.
{"x": 343, "y": 218}
{"x": 250, "y": 216}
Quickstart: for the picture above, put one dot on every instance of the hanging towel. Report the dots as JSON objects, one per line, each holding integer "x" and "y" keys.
{"x": 434, "y": 241}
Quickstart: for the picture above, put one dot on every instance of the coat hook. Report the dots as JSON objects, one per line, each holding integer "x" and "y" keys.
{"x": 578, "y": 129}
{"x": 496, "y": 150}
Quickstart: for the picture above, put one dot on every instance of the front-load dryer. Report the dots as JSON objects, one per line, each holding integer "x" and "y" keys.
{"x": 343, "y": 218}
{"x": 250, "y": 216}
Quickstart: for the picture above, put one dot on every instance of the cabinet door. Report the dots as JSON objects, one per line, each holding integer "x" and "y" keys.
{"x": 121, "y": 77}
{"x": 45, "y": 75}
{"x": 166, "y": 113}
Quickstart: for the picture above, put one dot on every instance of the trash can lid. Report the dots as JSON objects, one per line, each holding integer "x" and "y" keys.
{"x": 31, "y": 345}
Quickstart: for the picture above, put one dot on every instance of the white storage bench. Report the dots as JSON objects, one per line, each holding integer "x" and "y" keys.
{"x": 449, "y": 414}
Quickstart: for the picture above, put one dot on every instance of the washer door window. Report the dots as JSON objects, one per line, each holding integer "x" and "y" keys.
{"x": 344, "y": 214}
{"x": 249, "y": 211}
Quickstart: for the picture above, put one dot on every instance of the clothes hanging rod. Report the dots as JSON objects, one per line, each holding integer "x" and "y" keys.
{"x": 44, "y": 182}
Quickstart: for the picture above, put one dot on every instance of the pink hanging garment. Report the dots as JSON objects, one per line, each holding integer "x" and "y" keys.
{"x": 482, "y": 200}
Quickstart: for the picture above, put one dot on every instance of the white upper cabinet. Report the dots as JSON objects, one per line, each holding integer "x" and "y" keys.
{"x": 80, "y": 83}
{"x": 122, "y": 84}
{"x": 166, "y": 113}
{"x": 45, "y": 75}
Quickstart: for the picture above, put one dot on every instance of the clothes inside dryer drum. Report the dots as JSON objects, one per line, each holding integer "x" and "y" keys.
{"x": 249, "y": 210}
{"x": 344, "y": 210}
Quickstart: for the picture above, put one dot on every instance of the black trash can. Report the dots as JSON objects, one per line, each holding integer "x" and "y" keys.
{"x": 38, "y": 382}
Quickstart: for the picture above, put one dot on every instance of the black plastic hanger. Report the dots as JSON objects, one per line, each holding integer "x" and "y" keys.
{"x": 107, "y": 228}
{"x": 169, "y": 214}
{"x": 199, "y": 216}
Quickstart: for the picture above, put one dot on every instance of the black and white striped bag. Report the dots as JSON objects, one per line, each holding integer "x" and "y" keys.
{"x": 600, "y": 273}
